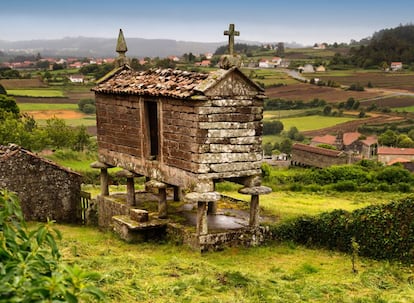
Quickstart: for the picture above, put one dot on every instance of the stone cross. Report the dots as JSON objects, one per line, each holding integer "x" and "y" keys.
{"x": 231, "y": 33}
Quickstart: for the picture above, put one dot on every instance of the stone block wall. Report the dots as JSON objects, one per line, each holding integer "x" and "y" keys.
{"x": 46, "y": 190}
{"x": 119, "y": 124}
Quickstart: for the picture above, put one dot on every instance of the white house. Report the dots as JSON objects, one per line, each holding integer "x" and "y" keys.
{"x": 76, "y": 78}
{"x": 276, "y": 61}
{"x": 396, "y": 66}
{"x": 264, "y": 63}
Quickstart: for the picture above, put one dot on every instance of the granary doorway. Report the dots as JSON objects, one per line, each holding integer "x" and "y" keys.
{"x": 151, "y": 117}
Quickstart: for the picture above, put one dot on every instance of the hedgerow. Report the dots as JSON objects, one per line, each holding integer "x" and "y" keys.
{"x": 381, "y": 231}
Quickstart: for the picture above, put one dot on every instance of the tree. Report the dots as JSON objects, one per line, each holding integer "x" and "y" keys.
{"x": 2, "y": 90}
{"x": 8, "y": 104}
{"x": 82, "y": 138}
{"x": 272, "y": 128}
{"x": 349, "y": 103}
{"x": 60, "y": 134}
{"x": 280, "y": 52}
{"x": 286, "y": 146}
{"x": 267, "y": 149}
{"x": 327, "y": 110}
{"x": 389, "y": 138}
{"x": 293, "y": 131}
{"x": 404, "y": 140}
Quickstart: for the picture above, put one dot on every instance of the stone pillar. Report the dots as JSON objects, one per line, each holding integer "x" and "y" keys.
{"x": 255, "y": 192}
{"x": 202, "y": 200}
{"x": 130, "y": 185}
{"x": 104, "y": 176}
{"x": 162, "y": 197}
{"x": 212, "y": 208}
{"x": 177, "y": 193}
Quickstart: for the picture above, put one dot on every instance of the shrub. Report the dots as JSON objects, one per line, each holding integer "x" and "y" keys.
{"x": 88, "y": 103}
{"x": 89, "y": 109}
{"x": 394, "y": 174}
{"x": 347, "y": 185}
{"x": 31, "y": 269}
{"x": 381, "y": 231}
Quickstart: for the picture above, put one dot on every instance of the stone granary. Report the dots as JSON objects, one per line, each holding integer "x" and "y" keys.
{"x": 45, "y": 189}
{"x": 181, "y": 129}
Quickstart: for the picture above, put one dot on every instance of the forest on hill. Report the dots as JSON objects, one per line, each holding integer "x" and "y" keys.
{"x": 386, "y": 46}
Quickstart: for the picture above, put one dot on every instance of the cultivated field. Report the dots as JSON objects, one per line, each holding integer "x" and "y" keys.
{"x": 307, "y": 92}
{"x": 402, "y": 81}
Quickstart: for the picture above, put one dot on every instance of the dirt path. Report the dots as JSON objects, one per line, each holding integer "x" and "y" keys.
{"x": 61, "y": 114}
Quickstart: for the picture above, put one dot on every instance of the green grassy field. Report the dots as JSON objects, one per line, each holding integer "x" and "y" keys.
{"x": 408, "y": 109}
{"x": 46, "y": 106}
{"x": 313, "y": 122}
{"x": 278, "y": 272}
{"x": 36, "y": 92}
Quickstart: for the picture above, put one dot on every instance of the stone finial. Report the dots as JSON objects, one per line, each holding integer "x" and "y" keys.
{"x": 231, "y": 59}
{"x": 121, "y": 49}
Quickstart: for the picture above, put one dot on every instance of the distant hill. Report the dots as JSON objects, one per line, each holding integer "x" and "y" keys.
{"x": 386, "y": 46}
{"x": 105, "y": 47}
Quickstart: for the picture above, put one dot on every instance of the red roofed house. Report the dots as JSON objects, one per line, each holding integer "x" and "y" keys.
{"x": 350, "y": 142}
{"x": 391, "y": 155}
{"x": 306, "y": 155}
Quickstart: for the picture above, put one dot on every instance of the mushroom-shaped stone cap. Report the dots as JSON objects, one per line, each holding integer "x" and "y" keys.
{"x": 255, "y": 190}
{"x": 156, "y": 184}
{"x": 98, "y": 164}
{"x": 125, "y": 174}
{"x": 202, "y": 197}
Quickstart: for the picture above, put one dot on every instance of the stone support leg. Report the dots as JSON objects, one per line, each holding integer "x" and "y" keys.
{"x": 202, "y": 225}
{"x": 212, "y": 208}
{"x": 177, "y": 194}
{"x": 162, "y": 203}
{"x": 254, "y": 211}
{"x": 130, "y": 192}
{"x": 104, "y": 182}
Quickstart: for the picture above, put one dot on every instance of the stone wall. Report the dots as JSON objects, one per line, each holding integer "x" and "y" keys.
{"x": 46, "y": 190}
{"x": 306, "y": 155}
{"x": 245, "y": 237}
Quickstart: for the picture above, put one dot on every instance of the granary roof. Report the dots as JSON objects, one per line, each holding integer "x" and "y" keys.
{"x": 165, "y": 82}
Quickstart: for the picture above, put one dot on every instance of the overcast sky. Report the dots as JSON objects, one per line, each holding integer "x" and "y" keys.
{"x": 306, "y": 22}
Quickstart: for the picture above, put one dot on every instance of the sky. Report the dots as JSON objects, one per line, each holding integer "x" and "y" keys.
{"x": 305, "y": 22}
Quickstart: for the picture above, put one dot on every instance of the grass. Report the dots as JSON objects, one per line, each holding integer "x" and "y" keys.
{"x": 35, "y": 92}
{"x": 282, "y": 272}
{"x": 408, "y": 109}
{"x": 46, "y": 106}
{"x": 313, "y": 122}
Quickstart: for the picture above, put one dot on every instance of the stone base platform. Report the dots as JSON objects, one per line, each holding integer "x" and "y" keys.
{"x": 133, "y": 231}
{"x": 134, "y": 224}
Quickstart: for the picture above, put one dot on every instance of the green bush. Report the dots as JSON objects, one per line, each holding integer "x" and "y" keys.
{"x": 346, "y": 185}
{"x": 381, "y": 231}
{"x": 30, "y": 267}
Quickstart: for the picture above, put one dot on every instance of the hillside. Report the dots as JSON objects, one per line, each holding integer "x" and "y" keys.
{"x": 105, "y": 47}
{"x": 386, "y": 46}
